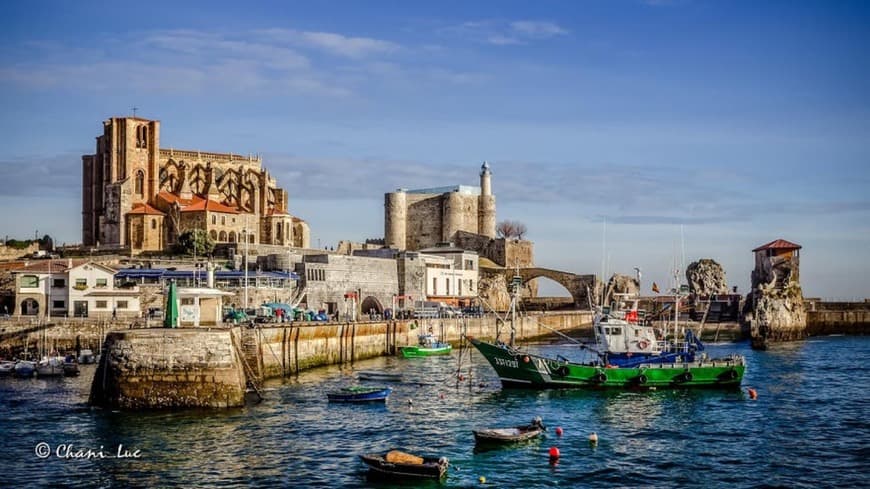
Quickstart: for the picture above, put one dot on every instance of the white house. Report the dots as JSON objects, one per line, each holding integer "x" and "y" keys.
{"x": 72, "y": 288}
{"x": 451, "y": 274}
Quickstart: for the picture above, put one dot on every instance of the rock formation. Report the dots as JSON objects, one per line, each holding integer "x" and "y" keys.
{"x": 620, "y": 284}
{"x": 706, "y": 277}
{"x": 775, "y": 306}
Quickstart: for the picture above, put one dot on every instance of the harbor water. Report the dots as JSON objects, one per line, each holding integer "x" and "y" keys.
{"x": 809, "y": 427}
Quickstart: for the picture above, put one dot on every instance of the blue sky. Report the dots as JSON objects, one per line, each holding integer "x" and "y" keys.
{"x": 741, "y": 121}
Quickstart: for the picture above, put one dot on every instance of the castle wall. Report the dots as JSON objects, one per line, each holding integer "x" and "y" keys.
{"x": 424, "y": 218}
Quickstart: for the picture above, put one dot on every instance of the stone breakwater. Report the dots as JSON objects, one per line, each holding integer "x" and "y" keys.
{"x": 163, "y": 368}
{"x": 172, "y": 368}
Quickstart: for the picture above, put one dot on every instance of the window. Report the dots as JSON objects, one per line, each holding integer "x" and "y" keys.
{"x": 81, "y": 282}
{"x": 57, "y": 304}
{"x": 101, "y": 282}
{"x": 447, "y": 284}
{"x": 29, "y": 281}
{"x": 223, "y": 220}
{"x": 469, "y": 264}
{"x": 139, "y": 185}
{"x": 214, "y": 219}
{"x": 616, "y": 331}
{"x": 434, "y": 285}
{"x": 154, "y": 223}
{"x": 101, "y": 305}
{"x": 58, "y": 282}
{"x": 187, "y": 301}
{"x": 122, "y": 304}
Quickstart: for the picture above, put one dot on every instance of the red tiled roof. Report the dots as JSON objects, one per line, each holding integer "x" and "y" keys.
{"x": 209, "y": 205}
{"x": 779, "y": 244}
{"x": 170, "y": 198}
{"x": 145, "y": 209}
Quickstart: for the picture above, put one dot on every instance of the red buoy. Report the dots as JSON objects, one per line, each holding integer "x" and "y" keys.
{"x": 752, "y": 393}
{"x": 554, "y": 452}
{"x": 558, "y": 431}
{"x": 526, "y": 359}
{"x": 461, "y": 377}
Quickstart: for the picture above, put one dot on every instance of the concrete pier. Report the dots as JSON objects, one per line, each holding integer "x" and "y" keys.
{"x": 169, "y": 368}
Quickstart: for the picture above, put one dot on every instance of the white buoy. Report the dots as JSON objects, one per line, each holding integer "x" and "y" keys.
{"x": 593, "y": 438}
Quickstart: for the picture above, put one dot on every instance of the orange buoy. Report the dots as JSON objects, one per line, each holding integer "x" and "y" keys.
{"x": 554, "y": 452}
{"x": 558, "y": 431}
{"x": 752, "y": 393}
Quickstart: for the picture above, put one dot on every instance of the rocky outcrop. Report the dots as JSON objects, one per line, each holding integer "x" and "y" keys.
{"x": 775, "y": 308}
{"x": 706, "y": 278}
{"x": 620, "y": 284}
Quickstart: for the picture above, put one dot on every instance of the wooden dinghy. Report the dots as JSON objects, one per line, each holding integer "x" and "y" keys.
{"x": 504, "y": 436}
{"x": 399, "y": 464}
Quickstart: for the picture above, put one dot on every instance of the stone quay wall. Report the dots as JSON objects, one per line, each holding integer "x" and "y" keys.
{"x": 286, "y": 350}
{"x": 170, "y": 368}
{"x": 848, "y": 321}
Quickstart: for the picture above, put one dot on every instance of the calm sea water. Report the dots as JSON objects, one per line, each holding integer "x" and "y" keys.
{"x": 809, "y": 427}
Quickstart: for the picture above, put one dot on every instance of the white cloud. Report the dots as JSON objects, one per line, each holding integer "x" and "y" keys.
{"x": 331, "y": 42}
{"x": 505, "y": 33}
{"x": 537, "y": 29}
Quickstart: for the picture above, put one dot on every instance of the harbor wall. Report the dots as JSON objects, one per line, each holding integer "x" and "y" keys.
{"x": 281, "y": 351}
{"x": 170, "y": 368}
{"x": 851, "y": 321}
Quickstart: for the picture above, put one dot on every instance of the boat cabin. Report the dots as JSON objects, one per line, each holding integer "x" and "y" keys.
{"x": 620, "y": 329}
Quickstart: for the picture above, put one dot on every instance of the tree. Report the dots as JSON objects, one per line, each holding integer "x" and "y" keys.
{"x": 508, "y": 229}
{"x": 198, "y": 240}
{"x": 505, "y": 229}
{"x": 520, "y": 229}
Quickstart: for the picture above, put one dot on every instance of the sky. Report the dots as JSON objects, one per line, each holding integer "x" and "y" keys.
{"x": 625, "y": 133}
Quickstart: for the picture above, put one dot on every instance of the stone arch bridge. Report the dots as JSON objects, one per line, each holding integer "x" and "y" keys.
{"x": 579, "y": 286}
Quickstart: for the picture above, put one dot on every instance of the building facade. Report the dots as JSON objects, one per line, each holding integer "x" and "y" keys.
{"x": 72, "y": 289}
{"x": 140, "y": 196}
{"x": 417, "y": 219}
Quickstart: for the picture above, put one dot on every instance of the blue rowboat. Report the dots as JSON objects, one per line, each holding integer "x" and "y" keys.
{"x": 359, "y": 394}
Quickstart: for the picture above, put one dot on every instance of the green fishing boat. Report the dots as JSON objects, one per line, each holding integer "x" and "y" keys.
{"x": 628, "y": 353}
{"x": 429, "y": 346}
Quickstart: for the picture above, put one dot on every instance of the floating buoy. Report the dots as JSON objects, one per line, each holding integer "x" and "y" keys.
{"x": 554, "y": 452}
{"x": 558, "y": 431}
{"x": 410, "y": 402}
{"x": 526, "y": 359}
{"x": 593, "y": 438}
{"x": 441, "y": 395}
{"x": 752, "y": 393}
{"x": 461, "y": 377}
{"x": 482, "y": 480}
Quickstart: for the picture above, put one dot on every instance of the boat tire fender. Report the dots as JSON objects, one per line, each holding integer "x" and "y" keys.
{"x": 687, "y": 377}
{"x": 600, "y": 377}
{"x": 562, "y": 371}
{"x": 641, "y": 379}
{"x": 730, "y": 375}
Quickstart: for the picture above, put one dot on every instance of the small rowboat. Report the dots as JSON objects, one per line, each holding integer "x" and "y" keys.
{"x": 504, "y": 436}
{"x": 360, "y": 394}
{"x": 396, "y": 464}
{"x": 379, "y": 376}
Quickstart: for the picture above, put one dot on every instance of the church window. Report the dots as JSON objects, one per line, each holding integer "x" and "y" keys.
{"x": 140, "y": 183}
{"x": 144, "y": 136}
{"x": 214, "y": 219}
{"x": 223, "y": 220}
{"x": 153, "y": 223}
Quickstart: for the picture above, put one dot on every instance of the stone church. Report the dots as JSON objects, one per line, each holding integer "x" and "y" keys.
{"x": 140, "y": 196}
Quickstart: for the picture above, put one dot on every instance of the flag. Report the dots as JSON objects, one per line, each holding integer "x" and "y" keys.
{"x": 655, "y": 288}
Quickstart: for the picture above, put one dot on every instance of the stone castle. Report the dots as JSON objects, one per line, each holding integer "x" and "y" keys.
{"x": 418, "y": 219}
{"x": 139, "y": 196}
